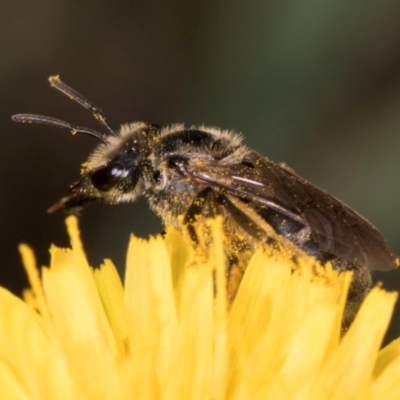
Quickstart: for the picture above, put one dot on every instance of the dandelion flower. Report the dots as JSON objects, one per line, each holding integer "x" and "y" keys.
{"x": 168, "y": 333}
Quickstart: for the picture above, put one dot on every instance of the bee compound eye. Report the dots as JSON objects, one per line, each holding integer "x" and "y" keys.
{"x": 106, "y": 178}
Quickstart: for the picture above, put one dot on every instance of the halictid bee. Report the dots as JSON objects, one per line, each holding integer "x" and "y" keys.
{"x": 190, "y": 174}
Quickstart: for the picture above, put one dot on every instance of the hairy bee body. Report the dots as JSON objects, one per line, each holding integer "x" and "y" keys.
{"x": 168, "y": 157}
{"x": 192, "y": 174}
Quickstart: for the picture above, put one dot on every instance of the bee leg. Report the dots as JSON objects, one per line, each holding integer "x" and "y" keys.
{"x": 195, "y": 210}
{"x": 206, "y": 205}
{"x": 240, "y": 246}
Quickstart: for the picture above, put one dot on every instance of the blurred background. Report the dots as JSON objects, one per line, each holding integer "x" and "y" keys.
{"x": 313, "y": 84}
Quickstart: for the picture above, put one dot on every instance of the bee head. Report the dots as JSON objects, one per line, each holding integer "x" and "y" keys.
{"x": 114, "y": 172}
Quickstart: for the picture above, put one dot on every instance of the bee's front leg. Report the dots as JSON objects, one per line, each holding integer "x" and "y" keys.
{"x": 194, "y": 212}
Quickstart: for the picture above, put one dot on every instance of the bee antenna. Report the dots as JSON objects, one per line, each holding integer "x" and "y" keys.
{"x": 40, "y": 119}
{"x": 55, "y": 82}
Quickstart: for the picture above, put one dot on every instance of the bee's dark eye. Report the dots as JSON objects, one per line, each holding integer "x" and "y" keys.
{"x": 106, "y": 178}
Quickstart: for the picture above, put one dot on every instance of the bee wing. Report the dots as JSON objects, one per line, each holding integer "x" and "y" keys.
{"x": 335, "y": 227}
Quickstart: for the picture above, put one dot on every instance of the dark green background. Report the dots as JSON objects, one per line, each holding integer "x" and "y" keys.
{"x": 315, "y": 84}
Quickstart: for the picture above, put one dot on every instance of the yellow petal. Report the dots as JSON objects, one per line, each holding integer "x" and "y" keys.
{"x": 284, "y": 317}
{"x": 179, "y": 254}
{"x": 387, "y": 384}
{"x": 111, "y": 293}
{"x": 80, "y": 319}
{"x": 151, "y": 313}
{"x": 348, "y": 372}
{"x": 35, "y": 294}
{"x": 190, "y": 372}
{"x": 31, "y": 353}
{"x": 386, "y": 356}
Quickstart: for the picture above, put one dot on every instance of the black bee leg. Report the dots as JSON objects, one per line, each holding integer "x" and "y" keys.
{"x": 195, "y": 210}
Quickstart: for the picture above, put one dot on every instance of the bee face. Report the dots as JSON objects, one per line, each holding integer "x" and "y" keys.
{"x": 116, "y": 171}
{"x": 191, "y": 174}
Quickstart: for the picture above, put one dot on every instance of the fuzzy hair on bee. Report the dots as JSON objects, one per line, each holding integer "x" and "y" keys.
{"x": 190, "y": 174}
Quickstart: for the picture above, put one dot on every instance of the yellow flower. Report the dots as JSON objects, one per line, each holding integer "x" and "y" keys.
{"x": 168, "y": 334}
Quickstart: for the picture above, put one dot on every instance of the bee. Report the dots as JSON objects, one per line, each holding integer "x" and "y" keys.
{"x": 192, "y": 174}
